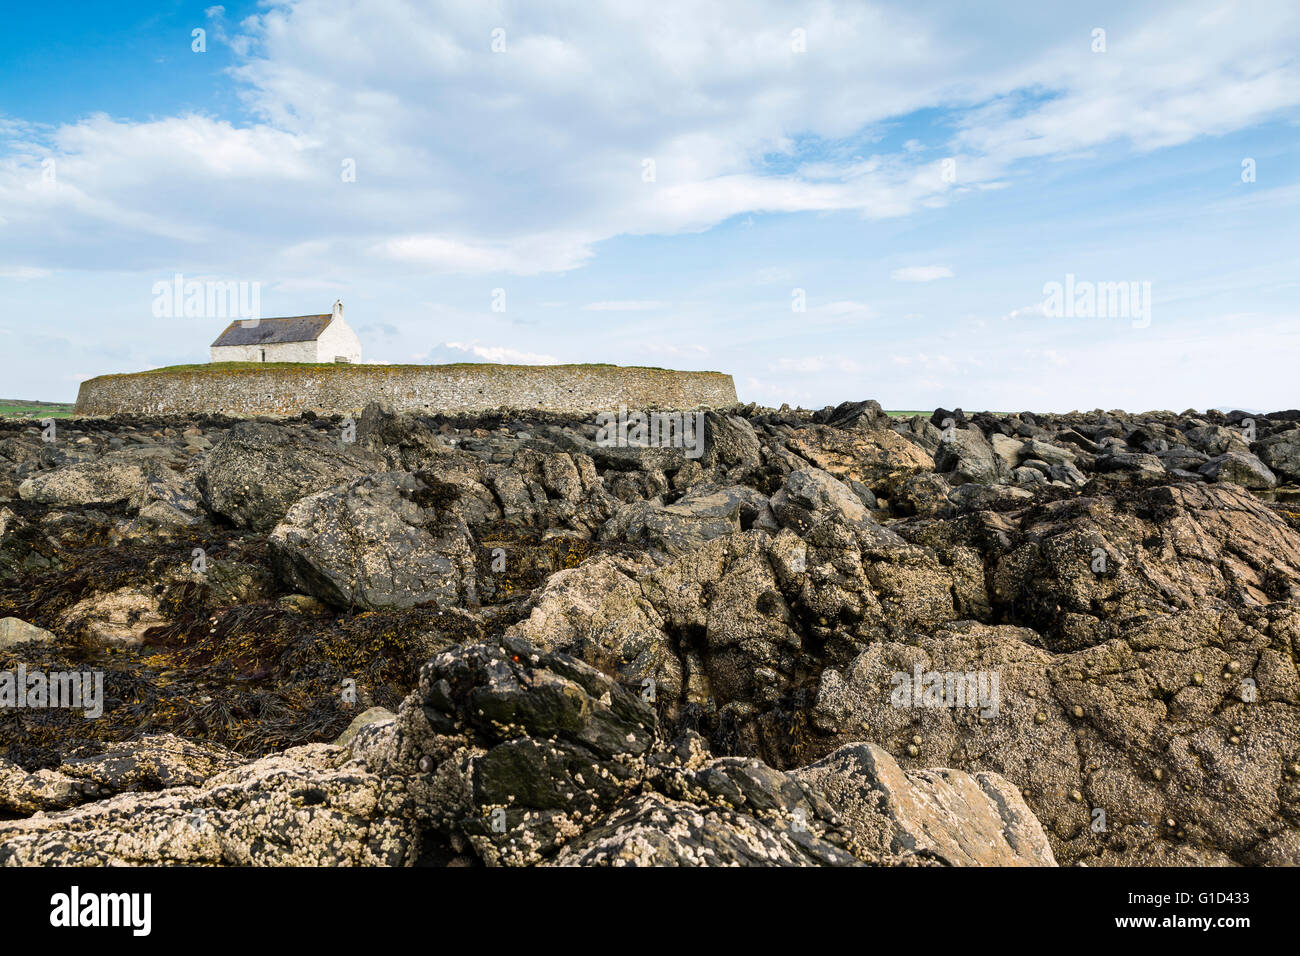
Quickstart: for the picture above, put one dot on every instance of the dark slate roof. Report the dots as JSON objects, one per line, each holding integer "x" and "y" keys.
{"x": 297, "y": 328}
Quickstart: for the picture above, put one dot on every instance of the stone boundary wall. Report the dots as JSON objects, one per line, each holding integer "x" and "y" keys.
{"x": 287, "y": 389}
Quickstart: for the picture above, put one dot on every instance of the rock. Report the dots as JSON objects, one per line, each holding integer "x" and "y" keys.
{"x": 120, "y": 616}
{"x": 15, "y": 632}
{"x": 371, "y": 717}
{"x": 656, "y": 831}
{"x": 1051, "y": 454}
{"x": 973, "y": 497}
{"x": 597, "y": 613}
{"x": 876, "y": 457}
{"x": 1240, "y": 468}
{"x": 628, "y": 457}
{"x": 167, "y": 500}
{"x": 386, "y": 540}
{"x": 116, "y": 477}
{"x": 676, "y": 648}
{"x": 258, "y": 470}
{"x": 1127, "y": 466}
{"x": 289, "y": 809}
{"x": 1029, "y": 476}
{"x": 1007, "y": 450}
{"x": 730, "y": 442}
{"x": 960, "y": 818}
{"x": 925, "y": 495}
{"x": 1079, "y": 569}
{"x": 866, "y": 415}
{"x": 701, "y": 515}
{"x": 965, "y": 455}
{"x": 919, "y": 432}
{"x": 1281, "y": 454}
{"x": 1215, "y": 440}
{"x": 303, "y": 604}
{"x": 1067, "y": 474}
{"x": 811, "y": 495}
{"x": 153, "y": 763}
{"x": 1180, "y": 458}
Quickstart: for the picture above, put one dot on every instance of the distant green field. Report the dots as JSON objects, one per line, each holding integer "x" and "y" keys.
{"x": 16, "y": 408}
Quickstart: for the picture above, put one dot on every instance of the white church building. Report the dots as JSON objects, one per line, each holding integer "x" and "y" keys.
{"x": 299, "y": 338}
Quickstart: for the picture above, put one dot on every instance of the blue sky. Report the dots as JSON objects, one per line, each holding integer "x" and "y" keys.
{"x": 798, "y": 154}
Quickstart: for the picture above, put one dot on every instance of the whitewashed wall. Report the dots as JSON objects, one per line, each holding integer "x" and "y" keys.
{"x": 338, "y": 339}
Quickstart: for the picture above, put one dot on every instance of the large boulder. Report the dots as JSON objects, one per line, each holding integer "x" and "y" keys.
{"x": 119, "y": 616}
{"x": 1130, "y": 466}
{"x": 1082, "y": 571}
{"x": 597, "y": 613}
{"x": 1281, "y": 453}
{"x": 1240, "y": 468}
{"x": 811, "y": 495}
{"x": 704, "y": 513}
{"x": 1215, "y": 439}
{"x": 116, "y": 477}
{"x": 878, "y": 458}
{"x": 386, "y": 540}
{"x": 965, "y": 455}
{"x": 1007, "y": 450}
{"x": 730, "y": 442}
{"x": 258, "y": 470}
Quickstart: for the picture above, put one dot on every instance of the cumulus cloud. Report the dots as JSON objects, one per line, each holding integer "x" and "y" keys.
{"x": 610, "y": 120}
{"x": 452, "y": 352}
{"x": 526, "y": 255}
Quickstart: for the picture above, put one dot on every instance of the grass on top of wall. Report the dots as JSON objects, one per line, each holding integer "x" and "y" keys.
{"x": 221, "y": 368}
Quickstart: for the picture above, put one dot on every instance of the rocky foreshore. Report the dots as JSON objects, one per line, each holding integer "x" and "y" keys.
{"x": 819, "y": 638}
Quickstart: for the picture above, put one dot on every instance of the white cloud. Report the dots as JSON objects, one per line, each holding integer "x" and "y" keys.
{"x": 526, "y": 160}
{"x": 451, "y": 352}
{"x": 528, "y": 255}
{"x": 921, "y": 273}
{"x": 1033, "y": 310}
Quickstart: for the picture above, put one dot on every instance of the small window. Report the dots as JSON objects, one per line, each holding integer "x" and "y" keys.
{"x": 341, "y": 359}
{"x": 261, "y": 355}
